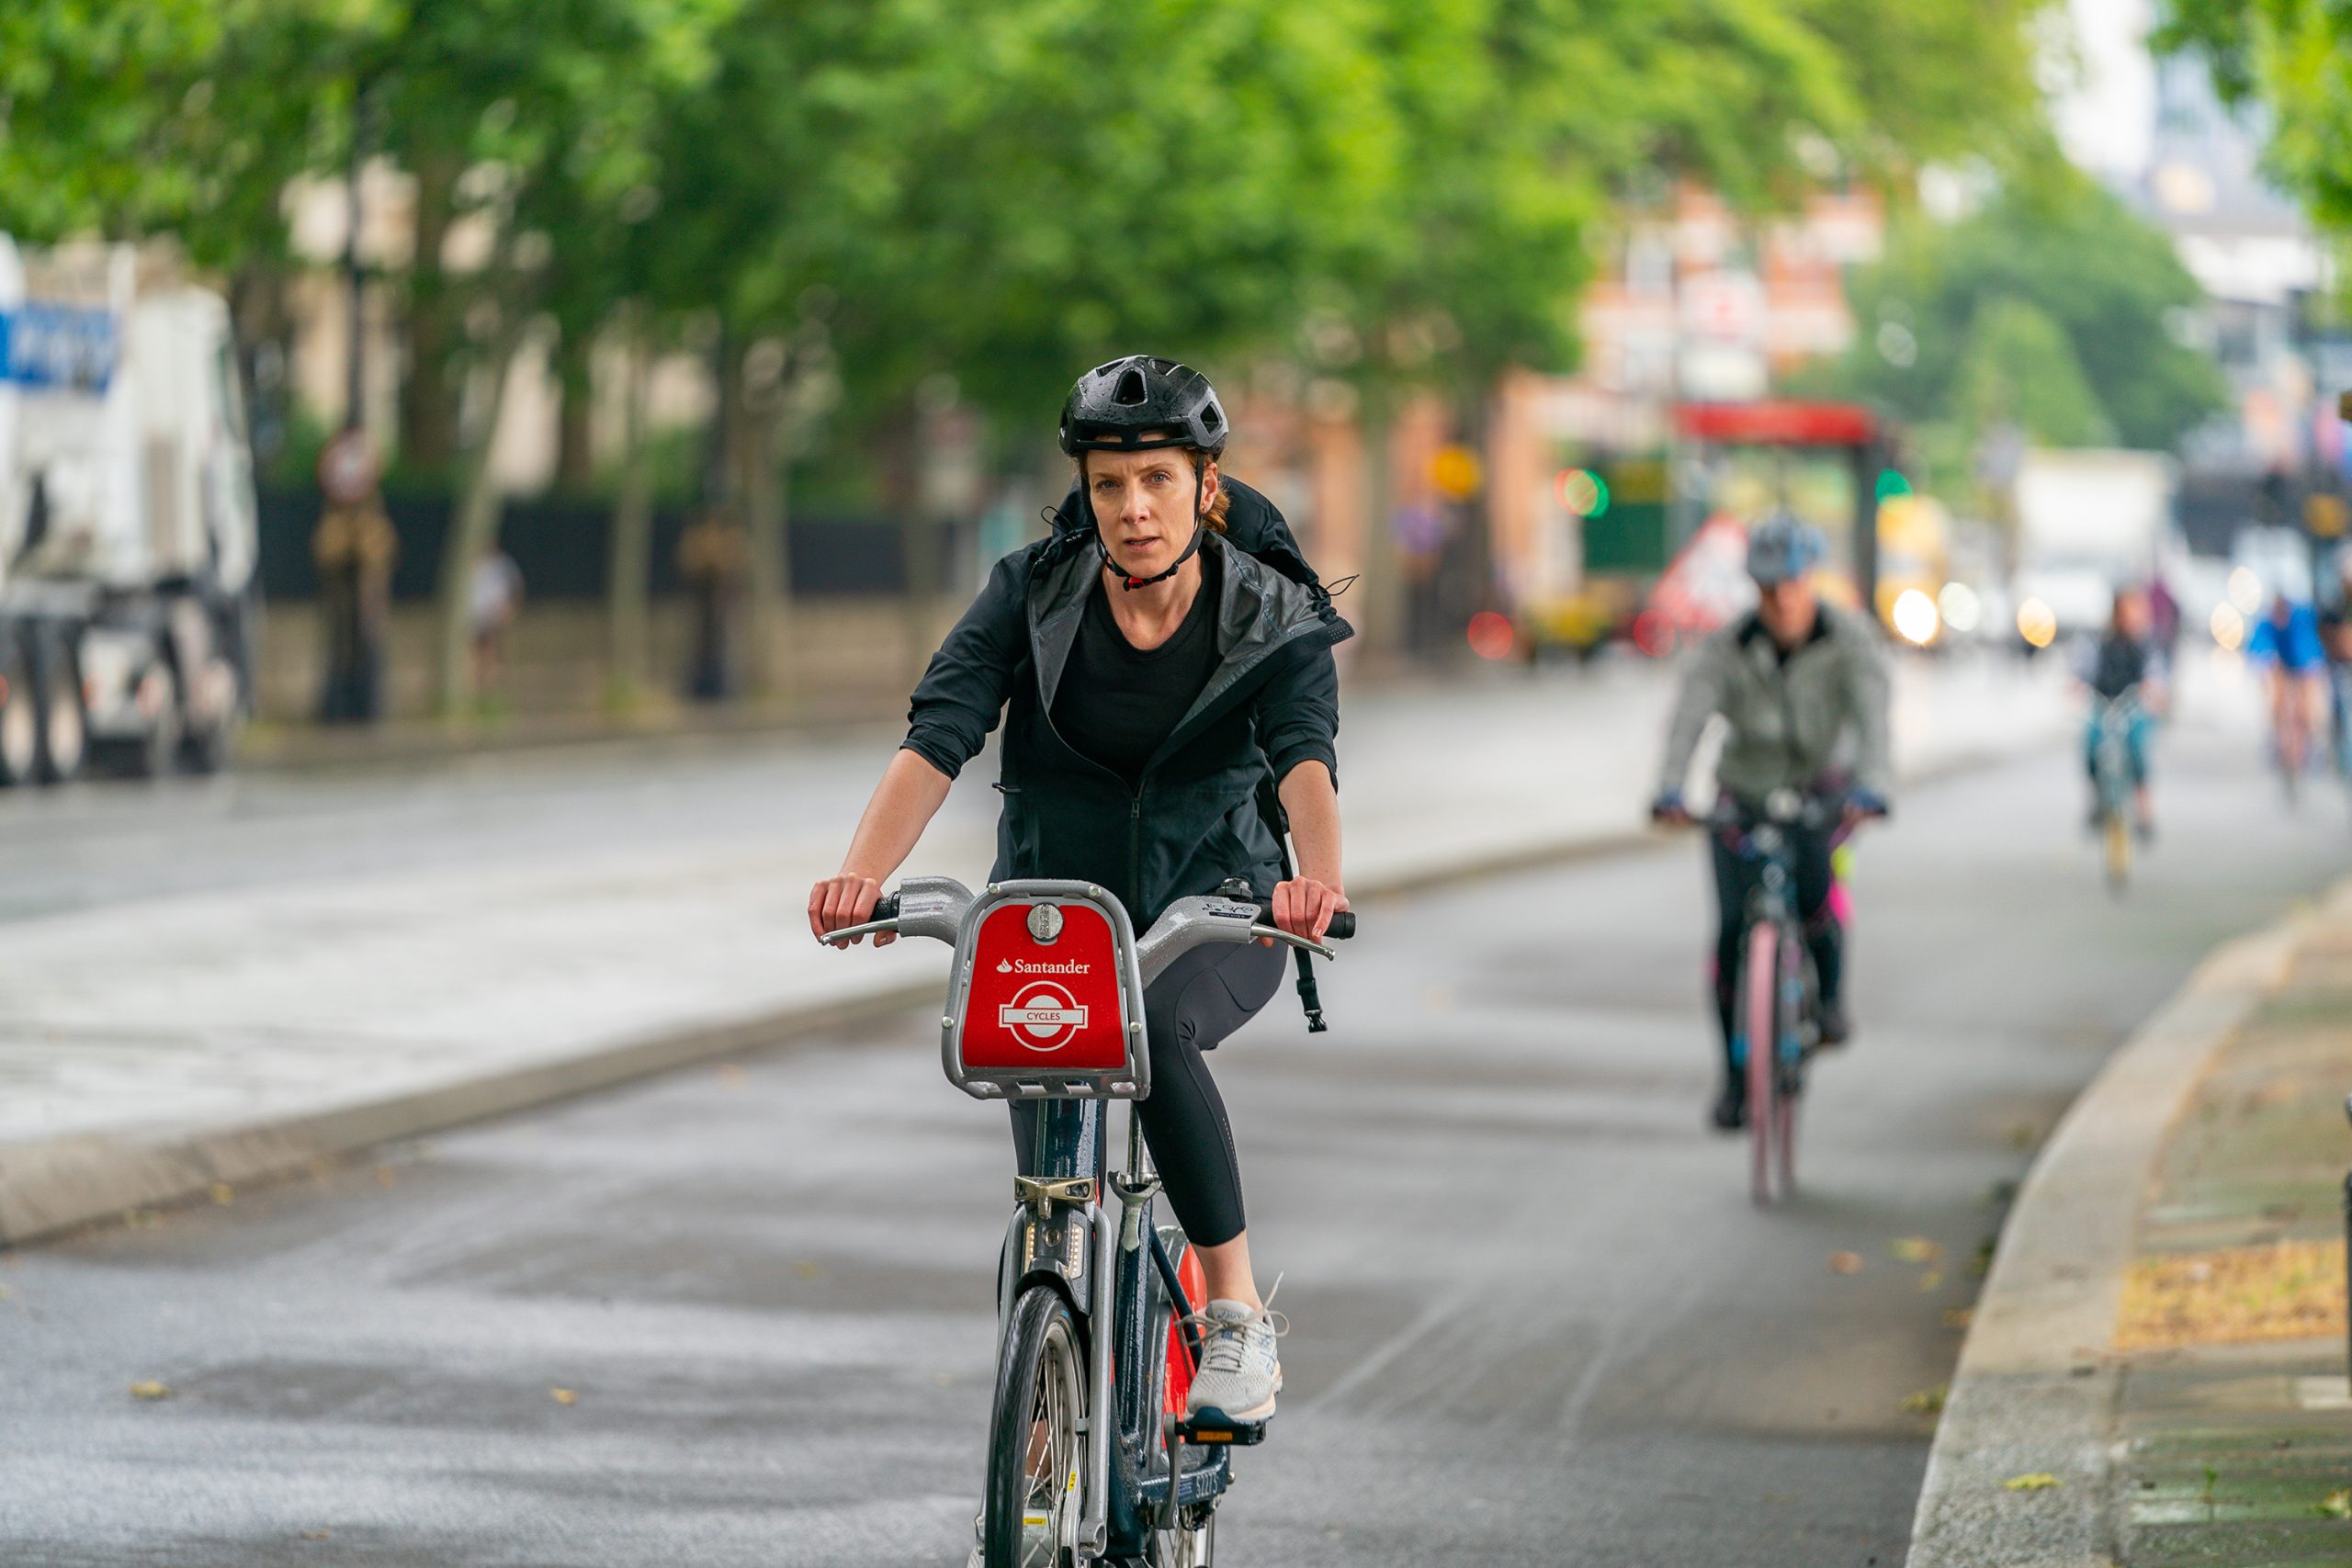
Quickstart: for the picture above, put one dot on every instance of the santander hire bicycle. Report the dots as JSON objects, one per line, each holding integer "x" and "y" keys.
{"x": 1091, "y": 1456}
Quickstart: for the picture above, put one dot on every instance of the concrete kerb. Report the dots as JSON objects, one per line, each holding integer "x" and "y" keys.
{"x": 65, "y": 1183}
{"x": 50, "y": 1187}
{"x": 2035, "y": 1392}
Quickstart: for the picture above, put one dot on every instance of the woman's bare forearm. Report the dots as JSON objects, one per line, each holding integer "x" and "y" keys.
{"x": 909, "y": 796}
{"x": 1312, "y": 803}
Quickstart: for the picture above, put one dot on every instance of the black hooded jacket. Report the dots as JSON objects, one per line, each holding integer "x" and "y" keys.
{"x": 1194, "y": 820}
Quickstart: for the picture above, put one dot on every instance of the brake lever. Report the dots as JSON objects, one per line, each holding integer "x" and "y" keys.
{"x": 1304, "y": 943}
{"x": 850, "y": 933}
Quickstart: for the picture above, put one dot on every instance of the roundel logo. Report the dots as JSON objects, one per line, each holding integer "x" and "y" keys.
{"x": 1043, "y": 1016}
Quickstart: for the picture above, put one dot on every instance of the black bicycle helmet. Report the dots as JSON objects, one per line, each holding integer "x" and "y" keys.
{"x": 1115, "y": 407}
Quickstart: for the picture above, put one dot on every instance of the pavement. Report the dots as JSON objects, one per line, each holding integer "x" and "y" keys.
{"x": 224, "y": 979}
{"x": 742, "y": 1313}
{"x": 2156, "y": 1374}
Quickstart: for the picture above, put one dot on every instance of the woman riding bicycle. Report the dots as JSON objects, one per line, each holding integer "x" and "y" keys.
{"x": 1157, "y": 677}
{"x": 2124, "y": 661}
{"x": 1797, "y": 681}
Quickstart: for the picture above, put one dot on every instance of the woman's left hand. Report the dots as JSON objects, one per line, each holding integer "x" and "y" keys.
{"x": 1304, "y": 906}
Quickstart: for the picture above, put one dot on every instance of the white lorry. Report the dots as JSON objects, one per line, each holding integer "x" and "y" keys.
{"x": 127, "y": 532}
{"x": 2089, "y": 522}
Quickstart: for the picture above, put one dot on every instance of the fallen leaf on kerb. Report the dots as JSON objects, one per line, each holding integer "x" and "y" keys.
{"x": 151, "y": 1391}
{"x": 1845, "y": 1263}
{"x": 223, "y": 1194}
{"x": 1927, "y": 1400}
{"x": 564, "y": 1396}
{"x": 2039, "y": 1481}
{"x": 1915, "y": 1249}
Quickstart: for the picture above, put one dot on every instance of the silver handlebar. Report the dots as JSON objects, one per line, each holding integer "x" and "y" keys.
{"x": 935, "y": 905}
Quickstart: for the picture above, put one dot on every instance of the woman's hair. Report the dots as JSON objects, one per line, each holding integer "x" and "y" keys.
{"x": 1214, "y": 518}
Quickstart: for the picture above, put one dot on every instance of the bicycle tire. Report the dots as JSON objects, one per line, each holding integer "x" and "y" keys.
{"x": 1035, "y": 1461}
{"x": 1785, "y": 1076}
{"x": 1759, "y": 978}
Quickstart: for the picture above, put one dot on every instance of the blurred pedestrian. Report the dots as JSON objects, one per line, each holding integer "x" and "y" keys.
{"x": 713, "y": 557}
{"x": 1803, "y": 689}
{"x": 2164, "y": 617}
{"x": 354, "y": 549}
{"x": 493, "y": 598}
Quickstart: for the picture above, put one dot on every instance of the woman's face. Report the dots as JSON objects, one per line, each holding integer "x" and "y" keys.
{"x": 1146, "y": 505}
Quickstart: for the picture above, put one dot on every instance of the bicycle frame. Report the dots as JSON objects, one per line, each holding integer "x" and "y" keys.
{"x": 1772, "y": 902}
{"x": 2112, "y": 755}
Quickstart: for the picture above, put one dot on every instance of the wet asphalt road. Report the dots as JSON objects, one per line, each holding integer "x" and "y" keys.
{"x": 1536, "y": 1319}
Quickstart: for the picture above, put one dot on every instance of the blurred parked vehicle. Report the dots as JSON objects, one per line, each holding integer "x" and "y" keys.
{"x": 127, "y": 518}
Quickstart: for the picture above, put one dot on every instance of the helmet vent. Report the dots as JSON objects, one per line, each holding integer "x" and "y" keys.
{"x": 1210, "y": 418}
{"x": 1130, "y": 389}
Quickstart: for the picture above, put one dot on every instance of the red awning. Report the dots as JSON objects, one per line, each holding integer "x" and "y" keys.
{"x": 1777, "y": 422}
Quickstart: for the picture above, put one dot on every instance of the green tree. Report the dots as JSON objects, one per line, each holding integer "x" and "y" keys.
{"x": 2108, "y": 283}
{"x": 2289, "y": 56}
{"x": 2020, "y": 369}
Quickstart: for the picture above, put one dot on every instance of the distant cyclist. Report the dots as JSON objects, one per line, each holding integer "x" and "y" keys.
{"x": 2286, "y": 647}
{"x": 1803, "y": 689}
{"x": 2124, "y": 660}
{"x": 1151, "y": 676}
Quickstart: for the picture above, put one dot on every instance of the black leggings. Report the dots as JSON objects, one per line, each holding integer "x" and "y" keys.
{"x": 1201, "y": 997}
{"x": 1737, "y": 877}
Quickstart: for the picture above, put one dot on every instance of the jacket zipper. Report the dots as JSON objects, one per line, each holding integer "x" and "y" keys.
{"x": 1135, "y": 837}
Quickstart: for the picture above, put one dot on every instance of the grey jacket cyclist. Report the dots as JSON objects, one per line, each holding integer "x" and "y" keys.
{"x": 1802, "y": 688}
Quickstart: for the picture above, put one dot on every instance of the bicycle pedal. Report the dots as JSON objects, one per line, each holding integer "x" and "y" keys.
{"x": 1210, "y": 1429}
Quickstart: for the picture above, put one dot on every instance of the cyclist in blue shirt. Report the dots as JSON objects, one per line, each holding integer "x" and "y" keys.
{"x": 2286, "y": 647}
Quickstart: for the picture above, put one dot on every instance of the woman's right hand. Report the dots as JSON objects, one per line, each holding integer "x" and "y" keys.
{"x": 846, "y": 900}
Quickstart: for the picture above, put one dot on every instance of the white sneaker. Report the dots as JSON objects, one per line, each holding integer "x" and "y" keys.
{"x": 1240, "y": 1372}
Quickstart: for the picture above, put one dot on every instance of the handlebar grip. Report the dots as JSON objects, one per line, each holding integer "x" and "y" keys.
{"x": 1343, "y": 926}
{"x": 885, "y": 908}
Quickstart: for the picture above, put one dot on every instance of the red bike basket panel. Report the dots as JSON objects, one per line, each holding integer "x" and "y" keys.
{"x": 1044, "y": 1007}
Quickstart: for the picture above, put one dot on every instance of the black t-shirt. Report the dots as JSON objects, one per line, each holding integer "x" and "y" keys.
{"x": 2120, "y": 663}
{"x": 1116, "y": 701}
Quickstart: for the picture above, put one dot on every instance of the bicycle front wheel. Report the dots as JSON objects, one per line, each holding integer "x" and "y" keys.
{"x": 1035, "y": 1492}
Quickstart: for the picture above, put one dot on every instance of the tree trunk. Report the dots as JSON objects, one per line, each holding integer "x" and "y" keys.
{"x": 576, "y": 456}
{"x": 1383, "y": 587}
{"x": 428, "y": 401}
{"x": 472, "y": 531}
{"x": 630, "y": 569}
{"x": 766, "y": 504}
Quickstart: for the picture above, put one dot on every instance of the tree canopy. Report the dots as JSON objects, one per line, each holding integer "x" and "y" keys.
{"x": 2054, "y": 309}
{"x": 2288, "y": 55}
{"x": 1004, "y": 191}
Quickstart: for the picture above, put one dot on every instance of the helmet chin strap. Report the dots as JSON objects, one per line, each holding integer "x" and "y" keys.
{"x": 1200, "y": 481}
{"x": 1132, "y": 584}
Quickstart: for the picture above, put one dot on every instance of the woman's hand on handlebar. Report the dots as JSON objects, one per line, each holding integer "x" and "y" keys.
{"x": 846, "y": 900}
{"x": 1304, "y": 906}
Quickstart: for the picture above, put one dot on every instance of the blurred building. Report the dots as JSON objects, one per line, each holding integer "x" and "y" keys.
{"x": 1696, "y": 304}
